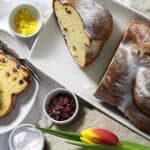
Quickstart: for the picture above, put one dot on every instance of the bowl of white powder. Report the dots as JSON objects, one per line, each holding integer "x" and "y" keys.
{"x": 26, "y": 137}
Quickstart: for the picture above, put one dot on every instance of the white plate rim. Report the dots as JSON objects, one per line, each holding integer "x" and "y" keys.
{"x": 35, "y": 92}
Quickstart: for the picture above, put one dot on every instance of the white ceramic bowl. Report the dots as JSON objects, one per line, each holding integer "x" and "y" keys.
{"x": 35, "y": 12}
{"x": 51, "y": 95}
{"x": 20, "y": 129}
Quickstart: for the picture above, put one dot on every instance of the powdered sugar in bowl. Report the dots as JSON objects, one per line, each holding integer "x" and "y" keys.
{"x": 26, "y": 137}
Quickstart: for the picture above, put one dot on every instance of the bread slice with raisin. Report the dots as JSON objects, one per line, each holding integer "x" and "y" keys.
{"x": 14, "y": 79}
{"x": 85, "y": 26}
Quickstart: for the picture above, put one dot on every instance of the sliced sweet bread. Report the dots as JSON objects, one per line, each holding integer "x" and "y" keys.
{"x": 14, "y": 79}
{"x": 85, "y": 26}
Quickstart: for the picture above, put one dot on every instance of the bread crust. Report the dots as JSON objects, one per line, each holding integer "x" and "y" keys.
{"x": 97, "y": 22}
{"x": 120, "y": 86}
{"x": 27, "y": 80}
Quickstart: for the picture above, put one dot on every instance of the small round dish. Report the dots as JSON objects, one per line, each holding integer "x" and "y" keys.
{"x": 21, "y": 138}
{"x": 34, "y": 12}
{"x": 51, "y": 99}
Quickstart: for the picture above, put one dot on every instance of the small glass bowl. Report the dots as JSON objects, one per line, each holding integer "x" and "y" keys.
{"x": 20, "y": 130}
{"x": 34, "y": 11}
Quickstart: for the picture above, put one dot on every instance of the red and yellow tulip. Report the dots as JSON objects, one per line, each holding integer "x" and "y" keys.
{"x": 96, "y": 139}
{"x": 99, "y": 136}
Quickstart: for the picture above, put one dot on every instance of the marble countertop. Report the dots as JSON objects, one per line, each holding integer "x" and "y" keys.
{"x": 88, "y": 116}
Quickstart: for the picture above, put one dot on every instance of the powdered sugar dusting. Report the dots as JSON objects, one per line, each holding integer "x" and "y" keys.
{"x": 142, "y": 81}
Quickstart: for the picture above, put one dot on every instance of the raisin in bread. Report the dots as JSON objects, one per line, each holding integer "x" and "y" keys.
{"x": 14, "y": 79}
{"x": 85, "y": 26}
{"x": 126, "y": 82}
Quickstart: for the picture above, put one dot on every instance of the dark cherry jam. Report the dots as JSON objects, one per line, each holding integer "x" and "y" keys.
{"x": 61, "y": 107}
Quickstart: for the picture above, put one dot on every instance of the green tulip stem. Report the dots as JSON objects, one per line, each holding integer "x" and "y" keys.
{"x": 95, "y": 146}
{"x": 75, "y": 140}
{"x": 62, "y": 134}
{"x": 126, "y": 145}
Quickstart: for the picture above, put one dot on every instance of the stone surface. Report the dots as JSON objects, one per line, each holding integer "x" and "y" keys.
{"x": 141, "y": 5}
{"x": 92, "y": 118}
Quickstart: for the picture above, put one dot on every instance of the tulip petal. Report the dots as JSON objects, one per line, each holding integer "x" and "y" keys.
{"x": 106, "y": 136}
{"x": 89, "y": 136}
{"x": 86, "y": 140}
{"x": 99, "y": 136}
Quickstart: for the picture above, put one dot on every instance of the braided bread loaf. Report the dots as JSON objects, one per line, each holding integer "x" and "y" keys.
{"x": 126, "y": 83}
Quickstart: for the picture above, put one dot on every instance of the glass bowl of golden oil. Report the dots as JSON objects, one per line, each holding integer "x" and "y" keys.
{"x": 25, "y": 20}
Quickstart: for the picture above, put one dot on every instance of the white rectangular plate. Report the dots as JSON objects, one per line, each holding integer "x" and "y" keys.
{"x": 51, "y": 56}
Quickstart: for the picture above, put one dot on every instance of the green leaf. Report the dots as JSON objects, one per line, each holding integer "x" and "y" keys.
{"x": 124, "y": 145}
{"x": 62, "y": 134}
{"x": 75, "y": 137}
{"x": 95, "y": 146}
{"x": 133, "y": 146}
